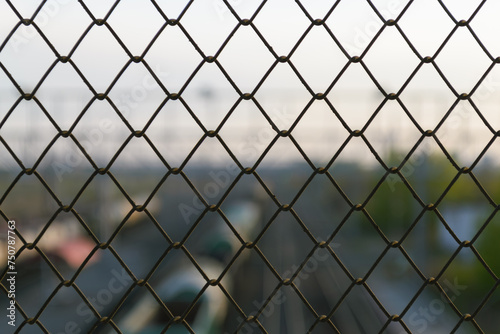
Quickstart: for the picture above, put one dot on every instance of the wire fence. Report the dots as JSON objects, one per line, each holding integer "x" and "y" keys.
{"x": 167, "y": 206}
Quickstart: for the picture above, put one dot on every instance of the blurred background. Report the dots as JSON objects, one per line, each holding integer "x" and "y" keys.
{"x": 247, "y": 136}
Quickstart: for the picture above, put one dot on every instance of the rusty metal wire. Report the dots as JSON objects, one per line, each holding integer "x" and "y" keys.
{"x": 279, "y": 207}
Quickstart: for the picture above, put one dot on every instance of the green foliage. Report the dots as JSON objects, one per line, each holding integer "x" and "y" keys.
{"x": 394, "y": 208}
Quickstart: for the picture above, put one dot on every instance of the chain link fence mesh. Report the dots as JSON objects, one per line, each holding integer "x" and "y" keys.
{"x": 139, "y": 208}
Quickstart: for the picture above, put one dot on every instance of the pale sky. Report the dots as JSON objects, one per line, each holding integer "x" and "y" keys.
{"x": 246, "y": 59}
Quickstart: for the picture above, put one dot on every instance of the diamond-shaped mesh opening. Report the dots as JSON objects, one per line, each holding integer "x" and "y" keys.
{"x": 319, "y": 144}
{"x": 294, "y": 23}
{"x": 99, "y": 73}
{"x": 394, "y": 267}
{"x": 453, "y": 58}
{"x": 426, "y": 98}
{"x": 400, "y": 63}
{"x": 202, "y": 95}
{"x": 462, "y": 12}
{"x": 485, "y": 95}
{"x": 33, "y": 67}
{"x": 173, "y": 77}
{"x": 353, "y": 107}
{"x": 249, "y": 166}
{"x": 381, "y": 138}
{"x": 138, "y": 18}
{"x": 251, "y": 64}
{"x": 64, "y": 104}
{"x": 30, "y": 121}
{"x": 138, "y": 102}
{"x": 393, "y": 207}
